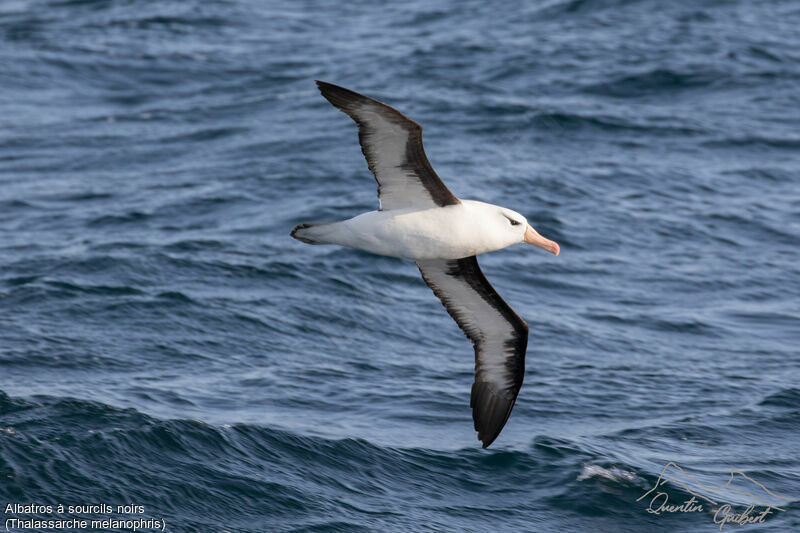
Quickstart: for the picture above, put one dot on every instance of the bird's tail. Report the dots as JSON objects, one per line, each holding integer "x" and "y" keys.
{"x": 313, "y": 232}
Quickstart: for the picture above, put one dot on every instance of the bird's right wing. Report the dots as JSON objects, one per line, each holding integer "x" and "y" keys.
{"x": 392, "y": 145}
{"x": 499, "y": 335}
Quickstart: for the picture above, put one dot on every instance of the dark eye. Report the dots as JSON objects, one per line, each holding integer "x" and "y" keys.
{"x": 513, "y": 222}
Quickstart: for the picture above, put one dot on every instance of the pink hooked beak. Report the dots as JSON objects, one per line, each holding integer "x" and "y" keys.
{"x": 531, "y": 237}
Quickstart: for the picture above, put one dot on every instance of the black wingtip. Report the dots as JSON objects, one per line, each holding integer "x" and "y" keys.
{"x": 340, "y": 97}
{"x": 325, "y": 87}
{"x": 490, "y": 412}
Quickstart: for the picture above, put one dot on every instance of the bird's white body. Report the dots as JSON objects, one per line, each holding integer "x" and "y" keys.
{"x": 450, "y": 232}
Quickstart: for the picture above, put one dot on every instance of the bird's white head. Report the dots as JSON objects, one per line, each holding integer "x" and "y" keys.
{"x": 493, "y": 227}
{"x": 524, "y": 232}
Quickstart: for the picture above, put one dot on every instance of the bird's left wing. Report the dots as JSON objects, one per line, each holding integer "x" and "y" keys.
{"x": 499, "y": 335}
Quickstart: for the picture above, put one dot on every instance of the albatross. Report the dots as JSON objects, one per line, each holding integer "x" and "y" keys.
{"x": 420, "y": 219}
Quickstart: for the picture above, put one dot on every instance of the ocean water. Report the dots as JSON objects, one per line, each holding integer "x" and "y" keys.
{"x": 166, "y": 346}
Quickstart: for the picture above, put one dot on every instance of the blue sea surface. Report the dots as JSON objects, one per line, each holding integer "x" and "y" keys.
{"x": 164, "y": 343}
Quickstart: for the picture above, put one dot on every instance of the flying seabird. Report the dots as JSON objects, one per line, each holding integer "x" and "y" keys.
{"x": 419, "y": 218}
